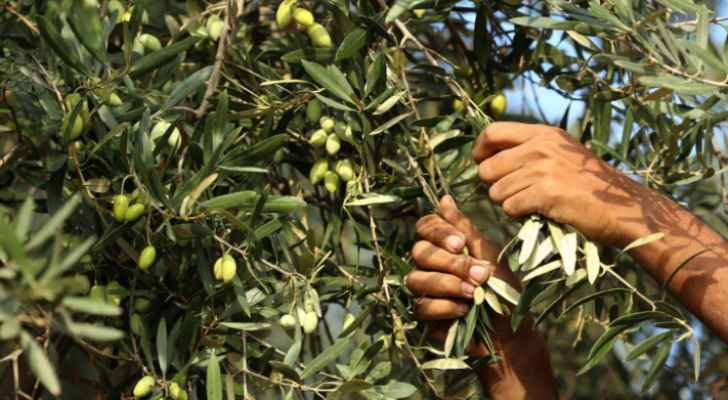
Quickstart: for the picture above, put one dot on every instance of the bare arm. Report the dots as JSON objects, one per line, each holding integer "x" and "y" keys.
{"x": 540, "y": 169}
{"x": 702, "y": 283}
{"x": 445, "y": 279}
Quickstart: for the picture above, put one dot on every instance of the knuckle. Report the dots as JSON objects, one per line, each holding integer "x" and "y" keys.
{"x": 420, "y": 250}
{"x": 496, "y": 192}
{"x": 511, "y": 207}
{"x": 462, "y": 265}
{"x": 550, "y": 191}
{"x": 485, "y": 171}
{"x": 424, "y": 222}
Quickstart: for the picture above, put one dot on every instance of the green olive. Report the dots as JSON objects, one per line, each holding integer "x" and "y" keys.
{"x": 333, "y": 144}
{"x": 134, "y": 212}
{"x": 229, "y": 269}
{"x": 498, "y": 105}
{"x": 214, "y": 27}
{"x": 310, "y": 322}
{"x": 327, "y": 124}
{"x": 303, "y": 17}
{"x": 319, "y": 36}
{"x": 142, "y": 304}
{"x": 150, "y": 42}
{"x": 318, "y": 170}
{"x": 287, "y": 321}
{"x": 98, "y": 293}
{"x": 147, "y": 258}
{"x": 136, "y": 324}
{"x": 225, "y": 268}
{"x": 284, "y": 13}
{"x": 345, "y": 169}
{"x": 331, "y": 181}
{"x": 313, "y": 111}
{"x": 144, "y": 386}
{"x": 318, "y": 138}
{"x": 76, "y": 129}
{"x": 176, "y": 391}
{"x": 121, "y": 204}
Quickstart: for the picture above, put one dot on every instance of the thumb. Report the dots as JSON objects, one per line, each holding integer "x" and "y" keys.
{"x": 480, "y": 247}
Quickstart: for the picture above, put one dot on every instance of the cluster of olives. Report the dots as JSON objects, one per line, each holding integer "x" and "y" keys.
{"x": 128, "y": 209}
{"x": 329, "y": 135}
{"x": 146, "y": 384}
{"x": 496, "y": 106}
{"x": 289, "y": 12}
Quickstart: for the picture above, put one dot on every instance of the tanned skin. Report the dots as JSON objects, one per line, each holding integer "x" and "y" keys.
{"x": 539, "y": 169}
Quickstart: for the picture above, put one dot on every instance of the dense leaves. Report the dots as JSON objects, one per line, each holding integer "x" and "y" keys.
{"x": 276, "y": 166}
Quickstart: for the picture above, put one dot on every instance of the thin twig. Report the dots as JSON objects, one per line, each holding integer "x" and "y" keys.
{"x": 219, "y": 58}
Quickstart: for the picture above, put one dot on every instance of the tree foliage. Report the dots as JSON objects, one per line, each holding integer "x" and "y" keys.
{"x": 220, "y": 196}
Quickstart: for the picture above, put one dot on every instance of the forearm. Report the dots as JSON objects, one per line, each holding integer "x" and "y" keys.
{"x": 702, "y": 283}
{"x": 523, "y": 370}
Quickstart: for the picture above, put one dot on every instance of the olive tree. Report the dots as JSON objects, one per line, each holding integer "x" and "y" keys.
{"x": 205, "y": 199}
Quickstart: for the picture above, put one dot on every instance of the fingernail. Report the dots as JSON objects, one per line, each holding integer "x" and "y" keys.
{"x": 455, "y": 243}
{"x": 463, "y": 308}
{"x": 467, "y": 289}
{"x": 478, "y": 273}
{"x": 447, "y": 200}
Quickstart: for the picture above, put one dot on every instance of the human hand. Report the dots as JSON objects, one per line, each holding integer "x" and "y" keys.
{"x": 445, "y": 277}
{"x": 540, "y": 169}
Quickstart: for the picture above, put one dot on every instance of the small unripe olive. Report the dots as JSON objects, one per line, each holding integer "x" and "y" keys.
{"x": 72, "y": 100}
{"x": 217, "y": 269}
{"x": 498, "y": 105}
{"x": 78, "y": 146}
{"x": 136, "y": 324}
{"x": 229, "y": 269}
{"x": 214, "y": 27}
{"x": 142, "y": 304}
{"x": 113, "y": 293}
{"x": 345, "y": 169}
{"x": 284, "y": 14}
{"x": 310, "y": 322}
{"x": 76, "y": 128}
{"x": 287, "y": 321}
{"x": 225, "y": 268}
{"x": 177, "y": 392}
{"x": 147, "y": 258}
{"x": 327, "y": 124}
{"x": 137, "y": 46}
{"x": 98, "y": 293}
{"x": 150, "y": 42}
{"x": 333, "y": 144}
{"x": 114, "y": 100}
{"x": 331, "y": 181}
{"x": 318, "y": 138}
{"x": 458, "y": 105}
{"x": 319, "y": 36}
{"x": 121, "y": 204}
{"x": 134, "y": 212}
{"x": 303, "y": 17}
{"x": 313, "y": 111}
{"x": 318, "y": 170}
{"x": 144, "y": 386}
